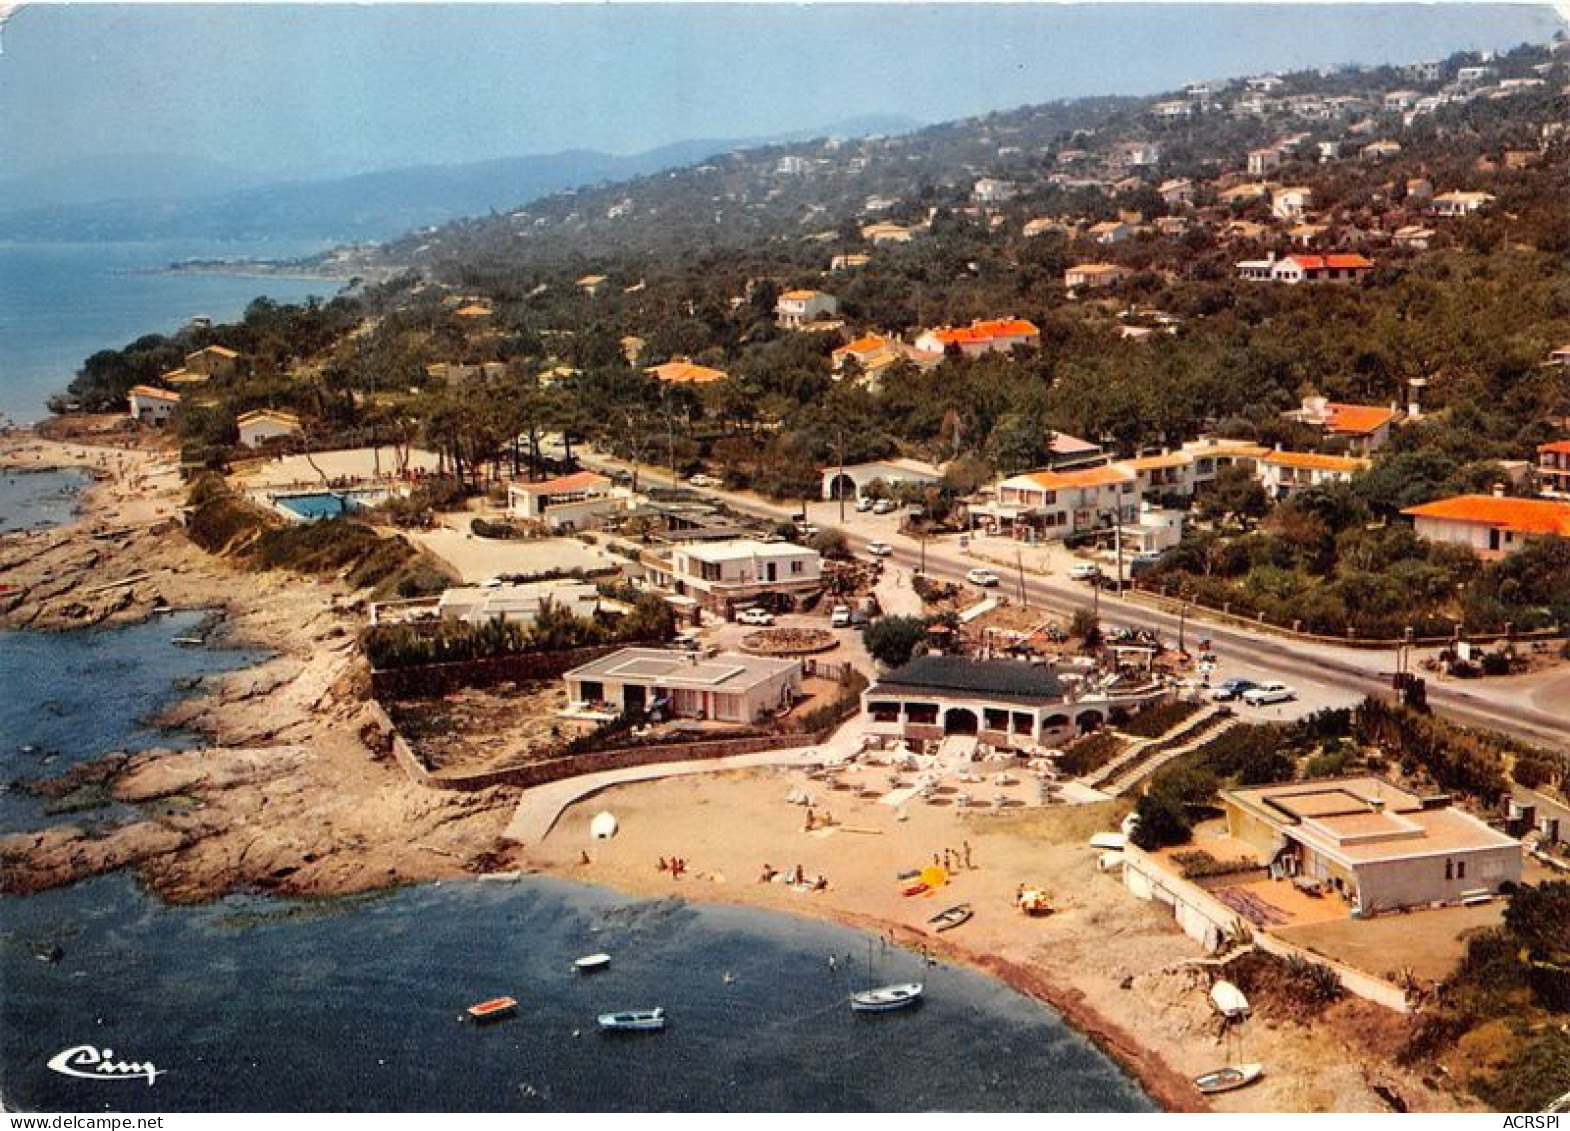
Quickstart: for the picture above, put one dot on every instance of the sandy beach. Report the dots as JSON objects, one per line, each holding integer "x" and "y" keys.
{"x": 294, "y": 793}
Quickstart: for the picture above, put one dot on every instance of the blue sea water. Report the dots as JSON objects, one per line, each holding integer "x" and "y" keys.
{"x": 60, "y": 303}
{"x": 32, "y": 499}
{"x": 256, "y": 1003}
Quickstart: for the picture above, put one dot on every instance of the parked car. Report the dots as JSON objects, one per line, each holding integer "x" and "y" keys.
{"x": 860, "y": 618}
{"x": 840, "y": 617}
{"x": 883, "y": 506}
{"x": 1268, "y": 693}
{"x": 806, "y": 530}
{"x": 1232, "y": 689}
{"x": 1084, "y": 571}
{"x": 879, "y": 549}
{"x": 865, "y": 504}
{"x": 982, "y": 577}
{"x": 704, "y": 481}
{"x": 755, "y": 616}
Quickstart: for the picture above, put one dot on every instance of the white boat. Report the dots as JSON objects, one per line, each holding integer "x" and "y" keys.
{"x": 1229, "y": 1078}
{"x": 1228, "y": 1000}
{"x": 603, "y": 827}
{"x": 634, "y": 1020}
{"x": 886, "y": 998}
{"x": 591, "y": 962}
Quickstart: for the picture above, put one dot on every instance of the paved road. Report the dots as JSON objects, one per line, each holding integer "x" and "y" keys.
{"x": 1355, "y": 670}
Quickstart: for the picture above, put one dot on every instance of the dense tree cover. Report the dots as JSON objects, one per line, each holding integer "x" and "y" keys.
{"x": 892, "y": 641}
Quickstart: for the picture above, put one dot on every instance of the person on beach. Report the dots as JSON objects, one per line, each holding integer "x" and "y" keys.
{"x": 968, "y": 864}
{"x": 664, "y": 867}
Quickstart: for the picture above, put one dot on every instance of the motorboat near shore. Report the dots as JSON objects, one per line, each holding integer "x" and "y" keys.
{"x": 493, "y": 1010}
{"x": 633, "y": 1021}
{"x": 589, "y": 963}
{"x": 1228, "y": 1079}
{"x": 885, "y": 999}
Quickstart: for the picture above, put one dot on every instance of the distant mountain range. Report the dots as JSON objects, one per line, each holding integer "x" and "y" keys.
{"x": 162, "y": 196}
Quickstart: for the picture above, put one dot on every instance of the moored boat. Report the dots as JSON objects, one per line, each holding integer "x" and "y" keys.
{"x": 591, "y": 962}
{"x": 1226, "y": 1079}
{"x": 493, "y": 1010}
{"x": 634, "y": 1020}
{"x": 883, "y": 999}
{"x": 955, "y": 916}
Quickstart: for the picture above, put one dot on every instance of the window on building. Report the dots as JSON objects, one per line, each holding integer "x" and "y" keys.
{"x": 796, "y": 566}
{"x": 1449, "y": 870}
{"x": 1460, "y": 869}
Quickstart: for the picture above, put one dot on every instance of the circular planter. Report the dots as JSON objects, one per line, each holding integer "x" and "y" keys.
{"x": 788, "y": 642}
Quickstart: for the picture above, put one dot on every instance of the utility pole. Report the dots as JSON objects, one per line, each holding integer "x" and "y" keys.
{"x": 1019, "y": 565}
{"x": 839, "y": 480}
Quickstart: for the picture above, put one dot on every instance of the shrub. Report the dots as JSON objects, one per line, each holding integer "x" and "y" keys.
{"x": 892, "y": 641}
{"x": 1158, "y": 718}
{"x": 1088, "y": 754}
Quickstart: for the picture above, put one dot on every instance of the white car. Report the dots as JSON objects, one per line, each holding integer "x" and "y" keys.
{"x": 879, "y": 549}
{"x": 864, "y": 504}
{"x": 982, "y": 577}
{"x": 840, "y": 617}
{"x": 704, "y": 481}
{"x": 883, "y": 506}
{"x": 1084, "y": 571}
{"x": 755, "y": 616}
{"x": 1268, "y": 693}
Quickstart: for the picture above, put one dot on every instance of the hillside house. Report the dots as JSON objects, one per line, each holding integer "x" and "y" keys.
{"x": 265, "y": 425}
{"x": 518, "y": 604}
{"x": 988, "y": 336}
{"x": 213, "y": 361}
{"x": 150, "y": 405}
{"x": 885, "y": 232}
{"x": 1291, "y": 269}
{"x": 1109, "y": 232}
{"x": 1094, "y": 276}
{"x": 1453, "y": 205}
{"x": 1412, "y": 237}
{"x": 796, "y": 309}
{"x": 1283, "y": 474}
{"x": 1291, "y": 203}
{"x": 568, "y": 502}
{"x": 1380, "y": 847}
{"x": 1491, "y": 526}
{"x": 1553, "y": 468}
{"x": 1178, "y": 193}
{"x": 722, "y": 576}
{"x": 1262, "y": 162}
{"x": 1364, "y": 427}
{"x": 682, "y": 371}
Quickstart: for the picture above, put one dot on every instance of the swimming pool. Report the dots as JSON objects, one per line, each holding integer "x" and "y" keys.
{"x": 328, "y": 504}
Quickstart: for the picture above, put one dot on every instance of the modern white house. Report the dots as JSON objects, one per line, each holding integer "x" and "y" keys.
{"x": 796, "y": 309}
{"x": 1377, "y": 845}
{"x": 264, "y": 424}
{"x": 569, "y": 502}
{"x": 151, "y": 405}
{"x": 1452, "y": 205}
{"x": 727, "y": 688}
{"x": 1060, "y": 504}
{"x": 723, "y": 575}
{"x": 479, "y": 604}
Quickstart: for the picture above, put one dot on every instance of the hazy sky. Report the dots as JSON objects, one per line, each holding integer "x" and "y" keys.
{"x": 288, "y": 90}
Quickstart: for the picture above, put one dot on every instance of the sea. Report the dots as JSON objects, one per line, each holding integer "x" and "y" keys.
{"x": 62, "y": 302}
{"x": 258, "y": 1003}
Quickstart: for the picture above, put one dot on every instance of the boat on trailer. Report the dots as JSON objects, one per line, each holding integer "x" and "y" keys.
{"x": 885, "y": 999}
{"x": 492, "y": 1010}
{"x": 1228, "y": 1079}
{"x": 633, "y": 1020}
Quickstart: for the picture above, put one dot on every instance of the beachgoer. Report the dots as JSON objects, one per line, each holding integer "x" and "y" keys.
{"x": 583, "y": 858}
{"x": 664, "y": 867}
{"x": 968, "y": 864}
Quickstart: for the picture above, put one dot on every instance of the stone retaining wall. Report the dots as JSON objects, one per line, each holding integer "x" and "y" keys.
{"x": 440, "y": 679}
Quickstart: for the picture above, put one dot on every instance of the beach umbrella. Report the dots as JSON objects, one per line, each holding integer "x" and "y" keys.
{"x": 934, "y": 875}
{"x": 603, "y": 827}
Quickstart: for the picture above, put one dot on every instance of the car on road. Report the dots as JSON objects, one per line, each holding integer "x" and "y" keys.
{"x": 879, "y": 549}
{"x": 982, "y": 577}
{"x": 883, "y": 506}
{"x": 1232, "y": 689}
{"x": 840, "y": 617}
{"x": 755, "y": 616}
{"x": 1084, "y": 571}
{"x": 703, "y": 481}
{"x": 1268, "y": 693}
{"x": 860, "y": 618}
{"x": 865, "y": 504}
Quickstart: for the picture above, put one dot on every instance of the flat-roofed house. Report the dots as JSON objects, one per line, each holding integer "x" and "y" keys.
{"x": 520, "y": 604}
{"x": 1553, "y": 468}
{"x": 1262, "y": 161}
{"x": 150, "y": 405}
{"x": 568, "y": 502}
{"x": 796, "y": 309}
{"x": 1059, "y": 504}
{"x": 213, "y": 361}
{"x": 1110, "y": 232}
{"x": 1456, "y": 204}
{"x": 1383, "y": 848}
{"x": 264, "y": 424}
{"x": 721, "y": 576}
{"x": 1491, "y": 526}
{"x": 1282, "y": 474}
{"x": 728, "y": 688}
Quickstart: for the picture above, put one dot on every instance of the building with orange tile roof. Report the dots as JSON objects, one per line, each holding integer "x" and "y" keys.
{"x": 1378, "y": 846}
{"x": 213, "y": 361}
{"x": 795, "y": 309}
{"x": 1282, "y": 474}
{"x": 1492, "y": 526}
{"x": 1365, "y": 427}
{"x": 1000, "y": 334}
{"x": 150, "y": 405}
{"x": 682, "y": 371}
{"x": 1059, "y": 504}
{"x": 568, "y": 502}
{"x": 1300, "y": 268}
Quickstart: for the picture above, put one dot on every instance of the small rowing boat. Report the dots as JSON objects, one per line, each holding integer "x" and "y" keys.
{"x": 634, "y": 1020}
{"x": 885, "y": 999}
{"x": 589, "y": 963}
{"x": 955, "y": 916}
{"x": 915, "y": 889}
{"x": 1227, "y": 1079}
{"x": 493, "y": 1010}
